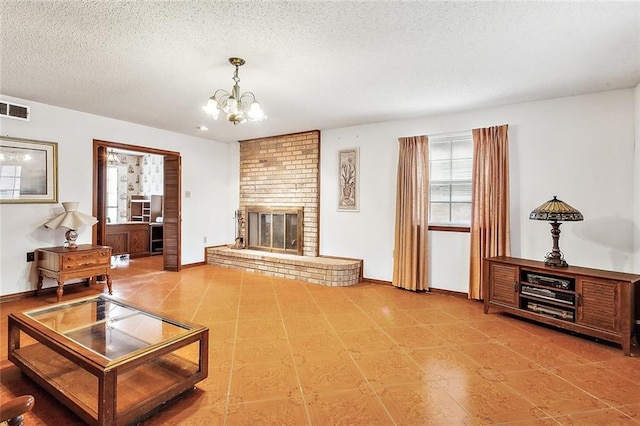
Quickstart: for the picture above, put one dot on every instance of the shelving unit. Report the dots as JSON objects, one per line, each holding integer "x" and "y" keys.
{"x": 145, "y": 208}
{"x": 596, "y": 303}
{"x": 140, "y": 210}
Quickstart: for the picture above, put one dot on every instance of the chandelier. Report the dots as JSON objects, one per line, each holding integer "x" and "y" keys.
{"x": 237, "y": 107}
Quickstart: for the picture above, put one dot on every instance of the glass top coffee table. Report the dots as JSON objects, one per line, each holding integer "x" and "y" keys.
{"x": 108, "y": 361}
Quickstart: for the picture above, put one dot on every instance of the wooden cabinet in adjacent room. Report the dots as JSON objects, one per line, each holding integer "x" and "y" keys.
{"x": 593, "y": 302}
{"x": 129, "y": 238}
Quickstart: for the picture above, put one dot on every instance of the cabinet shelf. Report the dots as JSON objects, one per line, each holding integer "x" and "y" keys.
{"x": 542, "y": 299}
{"x": 156, "y": 238}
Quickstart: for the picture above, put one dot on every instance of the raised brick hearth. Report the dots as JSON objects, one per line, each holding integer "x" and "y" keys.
{"x": 327, "y": 271}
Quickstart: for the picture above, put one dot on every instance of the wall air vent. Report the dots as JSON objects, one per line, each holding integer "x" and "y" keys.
{"x": 10, "y": 110}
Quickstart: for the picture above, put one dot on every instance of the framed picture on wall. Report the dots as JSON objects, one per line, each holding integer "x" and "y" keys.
{"x": 28, "y": 171}
{"x": 348, "y": 179}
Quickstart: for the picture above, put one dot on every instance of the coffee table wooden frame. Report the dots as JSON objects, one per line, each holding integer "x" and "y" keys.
{"x": 54, "y": 351}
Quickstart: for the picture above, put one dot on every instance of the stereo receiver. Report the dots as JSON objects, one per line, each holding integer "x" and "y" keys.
{"x": 549, "y": 281}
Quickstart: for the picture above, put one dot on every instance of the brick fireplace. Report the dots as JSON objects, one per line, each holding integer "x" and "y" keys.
{"x": 283, "y": 172}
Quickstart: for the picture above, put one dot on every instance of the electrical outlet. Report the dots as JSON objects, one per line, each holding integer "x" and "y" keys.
{"x": 31, "y": 256}
{"x": 204, "y": 240}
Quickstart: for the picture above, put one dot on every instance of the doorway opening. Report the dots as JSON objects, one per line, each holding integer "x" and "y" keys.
{"x": 136, "y": 198}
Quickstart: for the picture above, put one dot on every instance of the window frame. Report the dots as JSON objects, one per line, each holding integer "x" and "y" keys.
{"x": 450, "y": 137}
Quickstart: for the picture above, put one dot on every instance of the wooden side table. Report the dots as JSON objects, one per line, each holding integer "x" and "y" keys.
{"x": 63, "y": 264}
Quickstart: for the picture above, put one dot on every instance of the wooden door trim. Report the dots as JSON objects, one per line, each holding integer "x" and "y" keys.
{"x": 98, "y": 145}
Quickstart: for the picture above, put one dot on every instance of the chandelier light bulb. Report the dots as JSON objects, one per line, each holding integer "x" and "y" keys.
{"x": 211, "y": 108}
{"x": 255, "y": 112}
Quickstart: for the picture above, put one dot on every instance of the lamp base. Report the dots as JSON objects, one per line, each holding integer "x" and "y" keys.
{"x": 554, "y": 258}
{"x": 71, "y": 235}
{"x": 555, "y": 261}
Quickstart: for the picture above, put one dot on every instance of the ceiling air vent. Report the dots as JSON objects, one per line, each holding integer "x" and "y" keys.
{"x": 9, "y": 110}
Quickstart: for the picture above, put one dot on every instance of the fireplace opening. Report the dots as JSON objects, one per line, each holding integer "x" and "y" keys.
{"x": 277, "y": 230}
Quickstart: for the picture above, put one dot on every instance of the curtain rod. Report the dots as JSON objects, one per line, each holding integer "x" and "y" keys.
{"x": 459, "y": 133}
{"x": 451, "y": 134}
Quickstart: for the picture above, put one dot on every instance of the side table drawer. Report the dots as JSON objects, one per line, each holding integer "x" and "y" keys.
{"x": 85, "y": 259}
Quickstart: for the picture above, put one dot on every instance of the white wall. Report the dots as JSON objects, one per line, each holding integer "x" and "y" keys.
{"x": 578, "y": 148}
{"x": 209, "y": 172}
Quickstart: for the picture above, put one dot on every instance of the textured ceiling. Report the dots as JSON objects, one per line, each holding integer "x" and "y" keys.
{"x": 312, "y": 65}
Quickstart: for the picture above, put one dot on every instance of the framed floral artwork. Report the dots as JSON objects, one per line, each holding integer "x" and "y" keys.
{"x": 348, "y": 180}
{"x": 28, "y": 171}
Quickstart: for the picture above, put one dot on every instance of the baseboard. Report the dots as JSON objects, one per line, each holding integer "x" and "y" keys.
{"x": 449, "y": 293}
{"x": 17, "y": 296}
{"x": 192, "y": 265}
{"x": 374, "y": 281}
{"x": 431, "y": 289}
{"x": 32, "y": 293}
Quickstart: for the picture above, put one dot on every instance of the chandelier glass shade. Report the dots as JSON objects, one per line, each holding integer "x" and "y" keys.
{"x": 238, "y": 107}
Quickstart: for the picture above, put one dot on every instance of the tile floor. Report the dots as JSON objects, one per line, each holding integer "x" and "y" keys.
{"x": 285, "y": 352}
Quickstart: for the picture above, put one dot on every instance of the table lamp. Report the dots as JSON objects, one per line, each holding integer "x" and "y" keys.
{"x": 556, "y": 211}
{"x": 71, "y": 219}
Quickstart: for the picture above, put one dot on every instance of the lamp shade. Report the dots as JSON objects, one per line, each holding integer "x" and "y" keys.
{"x": 71, "y": 218}
{"x": 556, "y": 210}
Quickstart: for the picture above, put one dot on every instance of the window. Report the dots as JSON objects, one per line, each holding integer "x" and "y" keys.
{"x": 112, "y": 194}
{"x": 450, "y": 171}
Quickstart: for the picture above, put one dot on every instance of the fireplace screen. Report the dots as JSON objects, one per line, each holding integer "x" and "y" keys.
{"x": 276, "y": 230}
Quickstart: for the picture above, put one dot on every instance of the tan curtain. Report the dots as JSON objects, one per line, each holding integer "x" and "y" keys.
{"x": 412, "y": 203}
{"x": 489, "y": 203}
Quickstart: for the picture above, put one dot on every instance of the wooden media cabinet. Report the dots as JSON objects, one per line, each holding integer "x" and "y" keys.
{"x": 593, "y": 302}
